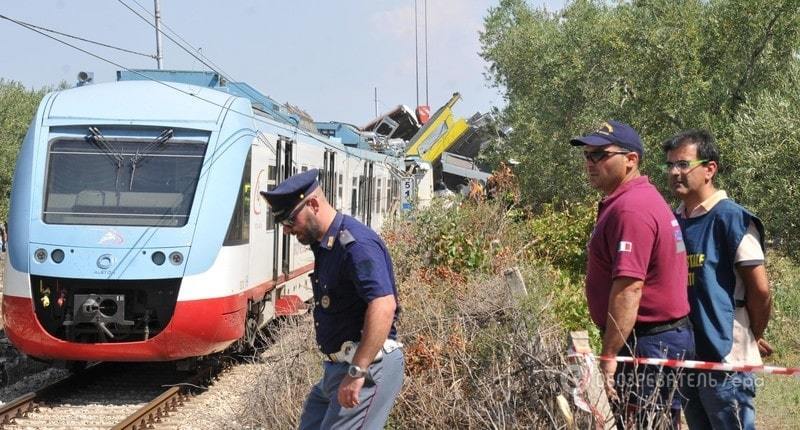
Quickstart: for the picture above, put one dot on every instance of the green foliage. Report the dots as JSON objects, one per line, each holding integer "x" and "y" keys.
{"x": 560, "y": 236}
{"x": 481, "y": 239}
{"x": 459, "y": 237}
{"x": 17, "y": 107}
{"x": 660, "y": 65}
{"x": 763, "y": 155}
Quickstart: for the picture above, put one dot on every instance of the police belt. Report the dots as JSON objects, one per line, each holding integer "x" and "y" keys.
{"x": 651, "y": 328}
{"x": 348, "y": 350}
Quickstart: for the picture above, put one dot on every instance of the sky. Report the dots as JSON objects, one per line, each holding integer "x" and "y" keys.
{"x": 327, "y": 57}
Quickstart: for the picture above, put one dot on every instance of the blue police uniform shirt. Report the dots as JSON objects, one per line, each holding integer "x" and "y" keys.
{"x": 711, "y": 243}
{"x": 352, "y": 268}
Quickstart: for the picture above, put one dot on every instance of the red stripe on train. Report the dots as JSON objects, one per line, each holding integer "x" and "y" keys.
{"x": 197, "y": 328}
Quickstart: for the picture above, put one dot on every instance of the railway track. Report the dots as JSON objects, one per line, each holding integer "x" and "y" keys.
{"x": 109, "y": 395}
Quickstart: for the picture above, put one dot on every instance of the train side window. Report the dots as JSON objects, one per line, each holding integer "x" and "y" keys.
{"x": 271, "y": 184}
{"x": 239, "y": 227}
{"x": 340, "y": 186}
{"x": 378, "y": 202}
{"x": 354, "y": 199}
{"x": 303, "y": 168}
{"x": 388, "y": 195}
{"x": 322, "y": 179}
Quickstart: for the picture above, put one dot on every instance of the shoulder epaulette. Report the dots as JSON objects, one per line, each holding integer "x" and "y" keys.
{"x": 346, "y": 238}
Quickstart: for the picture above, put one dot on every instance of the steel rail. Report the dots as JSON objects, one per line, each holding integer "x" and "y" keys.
{"x": 145, "y": 417}
{"x": 29, "y": 402}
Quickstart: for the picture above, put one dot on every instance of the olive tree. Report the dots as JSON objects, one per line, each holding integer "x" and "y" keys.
{"x": 659, "y": 65}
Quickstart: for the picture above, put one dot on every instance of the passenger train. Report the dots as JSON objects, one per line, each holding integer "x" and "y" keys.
{"x": 137, "y": 231}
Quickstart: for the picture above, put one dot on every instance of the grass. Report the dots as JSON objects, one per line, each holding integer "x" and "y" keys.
{"x": 778, "y": 397}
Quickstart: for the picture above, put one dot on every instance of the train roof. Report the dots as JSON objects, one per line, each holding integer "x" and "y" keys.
{"x": 144, "y": 101}
{"x": 213, "y": 80}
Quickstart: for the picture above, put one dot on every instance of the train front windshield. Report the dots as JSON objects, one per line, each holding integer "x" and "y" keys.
{"x": 119, "y": 177}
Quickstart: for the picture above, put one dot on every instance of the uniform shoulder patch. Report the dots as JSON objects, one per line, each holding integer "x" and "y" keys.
{"x": 345, "y": 237}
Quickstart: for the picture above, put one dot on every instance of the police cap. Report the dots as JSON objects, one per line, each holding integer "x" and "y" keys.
{"x": 289, "y": 193}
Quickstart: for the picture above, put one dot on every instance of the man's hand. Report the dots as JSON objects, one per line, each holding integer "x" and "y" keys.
{"x": 349, "y": 389}
{"x": 764, "y": 348}
{"x": 608, "y": 368}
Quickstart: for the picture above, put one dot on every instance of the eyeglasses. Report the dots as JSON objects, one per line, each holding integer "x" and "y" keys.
{"x": 682, "y": 165}
{"x": 598, "y": 156}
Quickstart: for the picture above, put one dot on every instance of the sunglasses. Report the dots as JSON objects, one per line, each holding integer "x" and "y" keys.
{"x": 597, "y": 156}
{"x": 292, "y": 218}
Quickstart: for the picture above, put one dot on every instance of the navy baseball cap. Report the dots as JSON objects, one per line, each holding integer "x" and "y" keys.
{"x": 613, "y": 133}
{"x": 290, "y": 193}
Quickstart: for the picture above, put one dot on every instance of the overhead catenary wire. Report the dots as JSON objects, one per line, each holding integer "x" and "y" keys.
{"x": 213, "y": 66}
{"x": 82, "y": 39}
{"x": 295, "y": 130}
{"x": 210, "y": 64}
{"x": 184, "y": 41}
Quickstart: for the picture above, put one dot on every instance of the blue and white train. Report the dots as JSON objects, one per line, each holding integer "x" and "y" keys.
{"x": 137, "y": 232}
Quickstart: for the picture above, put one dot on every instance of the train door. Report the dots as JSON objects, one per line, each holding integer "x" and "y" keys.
{"x": 354, "y": 198}
{"x": 286, "y": 250}
{"x": 276, "y": 244}
{"x": 362, "y": 194}
{"x": 328, "y": 176}
{"x": 332, "y": 178}
{"x": 370, "y": 197}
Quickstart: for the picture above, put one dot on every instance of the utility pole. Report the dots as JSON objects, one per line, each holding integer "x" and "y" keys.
{"x": 159, "y": 57}
{"x": 427, "y": 103}
{"x": 376, "y": 102}
{"x": 416, "y": 49}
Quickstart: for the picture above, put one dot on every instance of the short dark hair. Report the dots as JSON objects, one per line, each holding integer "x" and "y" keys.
{"x": 703, "y": 139}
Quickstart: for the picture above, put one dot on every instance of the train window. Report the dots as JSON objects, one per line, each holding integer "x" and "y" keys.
{"x": 378, "y": 205}
{"x": 304, "y": 168}
{"x": 239, "y": 227}
{"x": 340, "y": 186}
{"x": 272, "y": 176}
{"x": 388, "y": 195}
{"x": 109, "y": 177}
{"x": 354, "y": 198}
{"x": 322, "y": 179}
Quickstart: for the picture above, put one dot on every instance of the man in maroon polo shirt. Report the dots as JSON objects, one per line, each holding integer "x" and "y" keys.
{"x": 636, "y": 276}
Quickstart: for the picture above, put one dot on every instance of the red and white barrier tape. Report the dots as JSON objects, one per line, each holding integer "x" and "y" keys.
{"x": 708, "y": 365}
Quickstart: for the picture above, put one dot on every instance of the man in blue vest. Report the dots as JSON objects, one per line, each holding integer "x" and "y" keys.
{"x": 355, "y": 309}
{"x": 728, "y": 289}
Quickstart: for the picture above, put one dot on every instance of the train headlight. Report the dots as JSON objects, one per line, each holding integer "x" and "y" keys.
{"x": 158, "y": 258}
{"x": 57, "y": 255}
{"x": 176, "y": 258}
{"x": 40, "y": 255}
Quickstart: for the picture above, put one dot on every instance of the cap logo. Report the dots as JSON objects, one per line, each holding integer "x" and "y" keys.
{"x": 606, "y": 129}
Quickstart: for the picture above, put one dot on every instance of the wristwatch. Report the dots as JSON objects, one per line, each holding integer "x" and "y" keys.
{"x": 356, "y": 372}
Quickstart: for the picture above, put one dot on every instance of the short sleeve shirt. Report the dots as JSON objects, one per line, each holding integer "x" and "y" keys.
{"x": 637, "y": 236}
{"x": 352, "y": 268}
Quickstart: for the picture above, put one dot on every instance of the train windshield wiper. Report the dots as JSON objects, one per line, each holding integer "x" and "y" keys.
{"x": 148, "y": 150}
{"x": 96, "y": 137}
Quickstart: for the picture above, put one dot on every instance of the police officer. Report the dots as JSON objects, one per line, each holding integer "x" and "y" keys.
{"x": 355, "y": 309}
